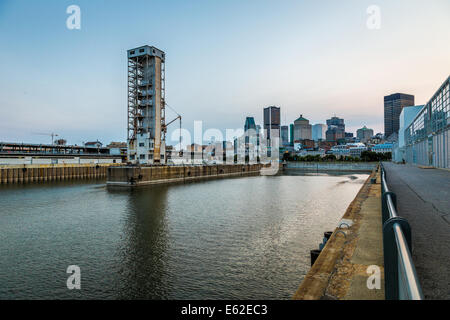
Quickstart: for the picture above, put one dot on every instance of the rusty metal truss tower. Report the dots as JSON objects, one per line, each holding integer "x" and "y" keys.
{"x": 146, "y": 105}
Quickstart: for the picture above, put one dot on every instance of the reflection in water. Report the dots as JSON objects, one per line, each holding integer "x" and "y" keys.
{"x": 243, "y": 238}
{"x": 143, "y": 249}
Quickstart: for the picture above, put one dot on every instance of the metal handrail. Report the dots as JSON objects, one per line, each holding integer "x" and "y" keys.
{"x": 401, "y": 281}
{"x": 407, "y": 271}
{"x": 389, "y": 201}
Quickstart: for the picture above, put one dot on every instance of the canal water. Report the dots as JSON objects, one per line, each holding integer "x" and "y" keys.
{"x": 239, "y": 238}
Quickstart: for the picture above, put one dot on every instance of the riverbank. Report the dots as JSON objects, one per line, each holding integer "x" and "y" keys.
{"x": 341, "y": 270}
{"x": 331, "y": 166}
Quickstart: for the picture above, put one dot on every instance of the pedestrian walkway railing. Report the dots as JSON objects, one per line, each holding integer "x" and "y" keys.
{"x": 400, "y": 277}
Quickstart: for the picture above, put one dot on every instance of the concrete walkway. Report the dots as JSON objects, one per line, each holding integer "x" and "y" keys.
{"x": 423, "y": 197}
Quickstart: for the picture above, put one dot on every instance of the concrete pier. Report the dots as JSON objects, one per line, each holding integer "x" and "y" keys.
{"x": 132, "y": 176}
{"x": 356, "y": 246}
{"x": 331, "y": 166}
{"x": 46, "y": 173}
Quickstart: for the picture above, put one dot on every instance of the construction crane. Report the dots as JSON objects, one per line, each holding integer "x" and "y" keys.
{"x": 178, "y": 117}
{"x": 53, "y": 135}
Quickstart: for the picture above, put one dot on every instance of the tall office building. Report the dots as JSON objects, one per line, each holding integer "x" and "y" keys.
{"x": 336, "y": 129}
{"x": 146, "y": 106}
{"x": 364, "y": 134}
{"x": 291, "y": 134}
{"x": 284, "y": 135}
{"x": 271, "y": 120}
{"x": 251, "y": 135}
{"x": 393, "y": 105}
{"x": 319, "y": 131}
{"x": 302, "y": 129}
{"x": 250, "y": 124}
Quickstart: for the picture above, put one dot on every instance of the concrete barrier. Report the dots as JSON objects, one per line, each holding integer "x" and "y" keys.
{"x": 136, "y": 176}
{"x": 18, "y": 174}
{"x": 332, "y": 166}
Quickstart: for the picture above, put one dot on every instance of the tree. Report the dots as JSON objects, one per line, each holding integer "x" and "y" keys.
{"x": 286, "y": 157}
{"x": 374, "y": 156}
{"x": 330, "y": 157}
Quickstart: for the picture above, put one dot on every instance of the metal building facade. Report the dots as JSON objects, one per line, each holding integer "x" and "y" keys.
{"x": 427, "y": 137}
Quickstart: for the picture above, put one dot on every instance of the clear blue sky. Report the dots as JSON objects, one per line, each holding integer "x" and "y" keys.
{"x": 225, "y": 60}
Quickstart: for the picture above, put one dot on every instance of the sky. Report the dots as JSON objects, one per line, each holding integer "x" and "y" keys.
{"x": 225, "y": 60}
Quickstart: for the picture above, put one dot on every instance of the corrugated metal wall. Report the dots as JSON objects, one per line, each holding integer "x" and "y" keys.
{"x": 419, "y": 153}
{"x": 441, "y": 146}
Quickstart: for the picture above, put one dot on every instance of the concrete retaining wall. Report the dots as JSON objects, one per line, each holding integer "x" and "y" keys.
{"x": 332, "y": 166}
{"x": 134, "y": 176}
{"x": 45, "y": 173}
{"x": 11, "y": 160}
{"x": 341, "y": 270}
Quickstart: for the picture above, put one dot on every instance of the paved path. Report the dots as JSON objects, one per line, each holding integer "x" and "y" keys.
{"x": 423, "y": 197}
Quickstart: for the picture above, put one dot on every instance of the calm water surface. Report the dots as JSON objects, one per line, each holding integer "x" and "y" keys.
{"x": 242, "y": 238}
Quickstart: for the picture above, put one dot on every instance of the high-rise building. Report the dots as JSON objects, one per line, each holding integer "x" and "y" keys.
{"x": 338, "y": 122}
{"x": 271, "y": 120}
{"x": 284, "y": 135}
{"x": 291, "y": 134}
{"x": 251, "y": 135}
{"x": 393, "y": 105}
{"x": 364, "y": 134}
{"x": 250, "y": 124}
{"x": 146, "y": 106}
{"x": 319, "y": 132}
{"x": 302, "y": 129}
{"x": 336, "y": 129}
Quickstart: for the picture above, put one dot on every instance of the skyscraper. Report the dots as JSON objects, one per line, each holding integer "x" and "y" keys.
{"x": 291, "y": 134}
{"x": 336, "y": 129}
{"x": 393, "y": 105}
{"x": 271, "y": 120}
{"x": 250, "y": 124}
{"x": 364, "y": 134}
{"x": 319, "y": 132}
{"x": 284, "y": 135}
{"x": 251, "y": 139}
{"x": 302, "y": 129}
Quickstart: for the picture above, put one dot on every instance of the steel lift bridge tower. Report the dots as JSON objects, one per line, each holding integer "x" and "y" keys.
{"x": 146, "y": 106}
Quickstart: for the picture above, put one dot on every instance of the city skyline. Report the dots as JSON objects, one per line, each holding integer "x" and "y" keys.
{"x": 81, "y": 92}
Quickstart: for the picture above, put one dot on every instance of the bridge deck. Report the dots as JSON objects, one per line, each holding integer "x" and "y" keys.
{"x": 423, "y": 197}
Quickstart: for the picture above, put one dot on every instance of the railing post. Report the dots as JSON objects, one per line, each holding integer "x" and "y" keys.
{"x": 391, "y": 280}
